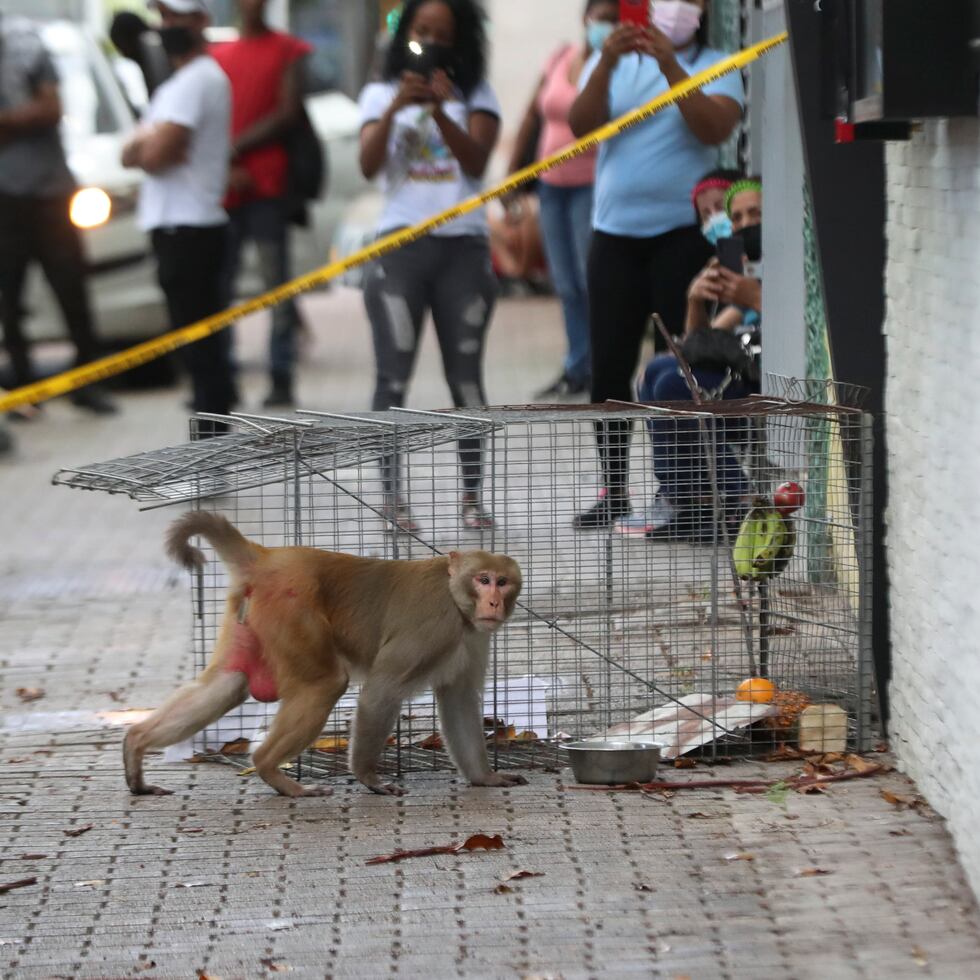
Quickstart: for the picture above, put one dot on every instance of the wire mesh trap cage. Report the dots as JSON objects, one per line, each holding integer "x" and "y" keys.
{"x": 645, "y": 628}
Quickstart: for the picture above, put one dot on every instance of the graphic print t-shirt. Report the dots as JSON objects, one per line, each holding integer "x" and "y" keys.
{"x": 420, "y": 176}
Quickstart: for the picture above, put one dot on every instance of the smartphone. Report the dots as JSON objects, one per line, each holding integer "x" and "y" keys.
{"x": 424, "y": 59}
{"x": 731, "y": 254}
{"x": 634, "y": 12}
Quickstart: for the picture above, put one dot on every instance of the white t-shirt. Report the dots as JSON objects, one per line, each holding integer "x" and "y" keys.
{"x": 420, "y": 176}
{"x": 197, "y": 96}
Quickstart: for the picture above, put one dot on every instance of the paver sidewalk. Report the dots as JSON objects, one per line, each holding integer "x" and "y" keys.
{"x": 226, "y": 880}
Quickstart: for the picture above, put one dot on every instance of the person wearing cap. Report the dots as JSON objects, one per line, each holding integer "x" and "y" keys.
{"x": 36, "y": 188}
{"x": 184, "y": 146}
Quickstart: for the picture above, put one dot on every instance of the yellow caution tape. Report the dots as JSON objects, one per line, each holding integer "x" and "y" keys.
{"x": 107, "y": 367}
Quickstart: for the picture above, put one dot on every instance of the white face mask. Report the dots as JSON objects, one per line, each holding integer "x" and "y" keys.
{"x": 677, "y": 19}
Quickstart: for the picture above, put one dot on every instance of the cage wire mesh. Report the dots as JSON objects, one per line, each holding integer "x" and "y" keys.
{"x": 629, "y": 631}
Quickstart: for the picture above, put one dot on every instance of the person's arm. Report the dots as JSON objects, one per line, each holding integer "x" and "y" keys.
{"x": 525, "y": 134}
{"x": 711, "y": 118}
{"x": 704, "y": 290}
{"x": 413, "y": 90}
{"x": 286, "y": 114}
{"x": 157, "y": 148}
{"x": 591, "y": 108}
{"x": 41, "y": 111}
{"x": 471, "y": 146}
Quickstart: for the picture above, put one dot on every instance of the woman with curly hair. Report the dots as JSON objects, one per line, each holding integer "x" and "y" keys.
{"x": 428, "y": 128}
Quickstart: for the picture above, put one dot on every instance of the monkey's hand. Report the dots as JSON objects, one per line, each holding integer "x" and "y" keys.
{"x": 144, "y": 789}
{"x": 374, "y": 784}
{"x": 500, "y": 779}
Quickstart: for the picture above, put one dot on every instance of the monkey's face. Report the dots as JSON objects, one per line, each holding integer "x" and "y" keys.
{"x": 494, "y": 594}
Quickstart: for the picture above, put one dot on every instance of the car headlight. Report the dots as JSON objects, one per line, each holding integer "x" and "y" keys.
{"x": 90, "y": 207}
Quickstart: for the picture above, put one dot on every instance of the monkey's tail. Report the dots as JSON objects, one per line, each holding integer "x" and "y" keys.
{"x": 233, "y": 548}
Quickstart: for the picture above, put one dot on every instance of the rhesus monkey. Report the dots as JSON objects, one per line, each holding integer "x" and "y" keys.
{"x": 301, "y": 623}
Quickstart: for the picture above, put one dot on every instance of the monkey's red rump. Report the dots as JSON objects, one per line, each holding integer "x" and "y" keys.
{"x": 246, "y": 657}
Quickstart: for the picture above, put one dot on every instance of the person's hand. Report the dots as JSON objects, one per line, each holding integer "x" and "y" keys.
{"x": 624, "y": 39}
{"x": 239, "y": 179}
{"x": 413, "y": 90}
{"x": 656, "y": 44}
{"x": 706, "y": 285}
{"x": 441, "y": 86}
{"x": 739, "y": 290}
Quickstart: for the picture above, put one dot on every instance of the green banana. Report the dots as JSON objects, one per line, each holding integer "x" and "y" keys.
{"x": 764, "y": 544}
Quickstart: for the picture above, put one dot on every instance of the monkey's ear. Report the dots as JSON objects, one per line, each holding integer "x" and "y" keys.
{"x": 453, "y": 562}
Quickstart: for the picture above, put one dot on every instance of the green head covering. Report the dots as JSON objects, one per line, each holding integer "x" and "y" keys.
{"x": 392, "y": 20}
{"x": 737, "y": 188}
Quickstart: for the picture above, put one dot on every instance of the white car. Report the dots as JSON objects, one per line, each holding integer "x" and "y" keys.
{"x": 97, "y": 121}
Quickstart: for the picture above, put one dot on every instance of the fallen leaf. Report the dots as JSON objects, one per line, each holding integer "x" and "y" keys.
{"x": 481, "y": 842}
{"x": 811, "y": 788}
{"x": 831, "y": 757}
{"x": 115, "y": 696}
{"x": 527, "y": 736}
{"x": 21, "y": 883}
{"x": 503, "y": 890}
{"x": 859, "y": 764}
{"x": 331, "y": 743}
{"x": 739, "y": 856}
{"x": 506, "y": 734}
{"x": 477, "y": 842}
{"x": 777, "y": 793}
{"x": 919, "y": 956}
{"x": 895, "y": 799}
{"x": 238, "y": 747}
{"x": 14, "y": 762}
{"x": 32, "y": 857}
{"x": 642, "y": 887}
{"x": 899, "y": 833}
{"x": 148, "y": 965}
{"x": 92, "y": 883}
{"x": 812, "y": 872}
{"x": 433, "y": 742}
{"x": 78, "y": 831}
{"x": 685, "y": 764}
{"x": 192, "y": 830}
{"x": 30, "y": 693}
{"x": 275, "y": 967}
{"x": 194, "y": 884}
{"x": 207, "y": 976}
{"x": 516, "y": 875}
{"x": 697, "y": 815}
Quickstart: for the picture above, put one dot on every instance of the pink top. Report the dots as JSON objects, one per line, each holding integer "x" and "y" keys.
{"x": 554, "y": 102}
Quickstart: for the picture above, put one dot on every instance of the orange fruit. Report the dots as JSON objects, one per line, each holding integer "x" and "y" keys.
{"x": 756, "y": 689}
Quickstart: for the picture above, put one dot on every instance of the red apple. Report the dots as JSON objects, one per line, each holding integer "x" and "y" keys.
{"x": 788, "y": 497}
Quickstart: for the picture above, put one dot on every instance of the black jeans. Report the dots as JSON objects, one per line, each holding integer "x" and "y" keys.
{"x": 630, "y": 278}
{"x": 189, "y": 266}
{"x": 39, "y": 229}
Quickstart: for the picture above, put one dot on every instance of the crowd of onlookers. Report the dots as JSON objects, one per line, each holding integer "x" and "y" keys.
{"x": 646, "y": 224}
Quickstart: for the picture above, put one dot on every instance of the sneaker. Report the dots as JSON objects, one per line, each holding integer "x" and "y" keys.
{"x": 603, "y": 514}
{"x": 93, "y": 399}
{"x": 648, "y": 522}
{"x": 474, "y": 516}
{"x": 563, "y": 387}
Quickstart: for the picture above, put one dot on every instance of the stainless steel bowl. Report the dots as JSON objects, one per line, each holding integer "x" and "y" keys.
{"x": 614, "y": 762}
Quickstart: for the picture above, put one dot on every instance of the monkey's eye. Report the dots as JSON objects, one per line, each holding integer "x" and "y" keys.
{"x": 484, "y": 580}
{"x": 501, "y": 582}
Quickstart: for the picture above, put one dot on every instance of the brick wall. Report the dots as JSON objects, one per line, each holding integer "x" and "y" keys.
{"x": 933, "y": 425}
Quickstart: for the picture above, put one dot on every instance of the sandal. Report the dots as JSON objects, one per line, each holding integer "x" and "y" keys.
{"x": 399, "y": 517}
{"x": 474, "y": 516}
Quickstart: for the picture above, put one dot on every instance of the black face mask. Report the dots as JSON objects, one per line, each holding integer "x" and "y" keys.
{"x": 177, "y": 41}
{"x": 752, "y": 240}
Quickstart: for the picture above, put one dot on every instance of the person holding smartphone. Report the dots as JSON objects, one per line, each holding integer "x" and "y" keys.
{"x": 428, "y": 128}
{"x": 645, "y": 247}
{"x": 721, "y": 302}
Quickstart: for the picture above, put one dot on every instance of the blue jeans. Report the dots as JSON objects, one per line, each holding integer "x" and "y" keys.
{"x": 679, "y": 460}
{"x": 566, "y": 230}
{"x": 264, "y": 222}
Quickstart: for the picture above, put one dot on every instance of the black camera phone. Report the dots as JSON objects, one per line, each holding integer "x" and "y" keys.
{"x": 731, "y": 254}
{"x": 424, "y": 59}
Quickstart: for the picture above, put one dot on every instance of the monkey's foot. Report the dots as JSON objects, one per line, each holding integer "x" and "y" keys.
{"x": 386, "y": 789}
{"x": 500, "y": 779}
{"x": 146, "y": 790}
{"x": 315, "y": 791}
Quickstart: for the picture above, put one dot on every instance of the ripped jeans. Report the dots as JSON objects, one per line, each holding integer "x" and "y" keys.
{"x": 451, "y": 276}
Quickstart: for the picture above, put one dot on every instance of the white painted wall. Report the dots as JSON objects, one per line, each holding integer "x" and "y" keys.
{"x": 933, "y": 426}
{"x": 522, "y": 35}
